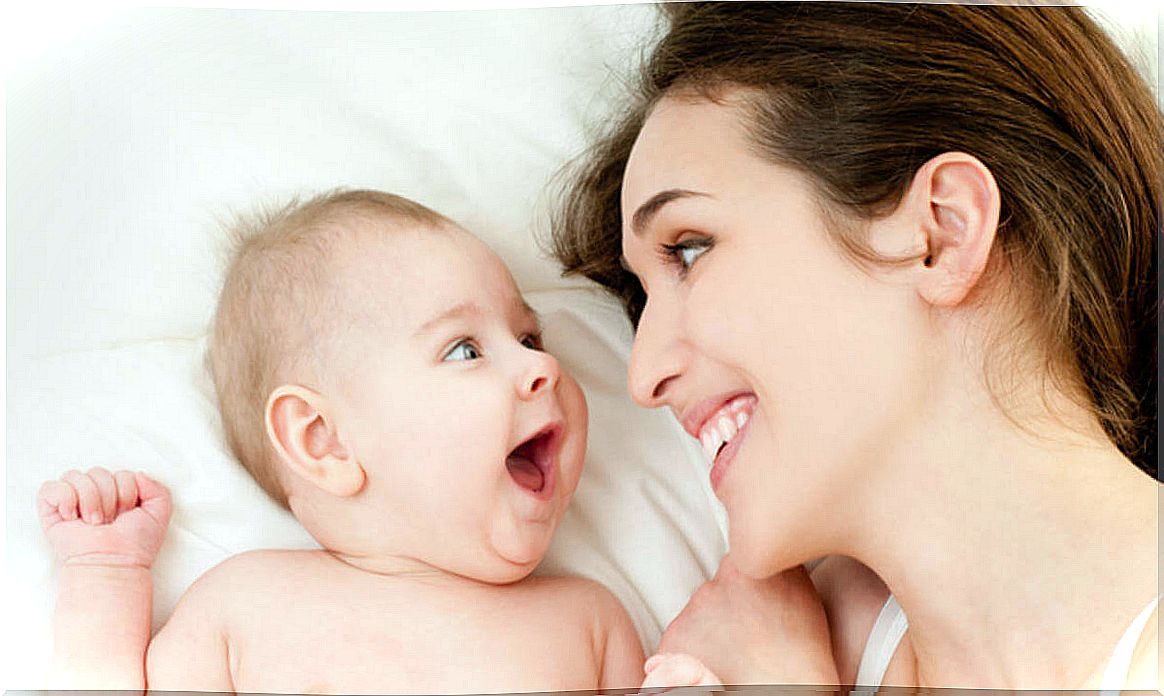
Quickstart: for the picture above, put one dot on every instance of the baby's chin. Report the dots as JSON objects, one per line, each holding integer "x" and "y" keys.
{"x": 501, "y": 571}
{"x": 517, "y": 556}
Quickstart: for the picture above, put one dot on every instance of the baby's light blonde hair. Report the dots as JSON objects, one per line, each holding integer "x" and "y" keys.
{"x": 278, "y": 304}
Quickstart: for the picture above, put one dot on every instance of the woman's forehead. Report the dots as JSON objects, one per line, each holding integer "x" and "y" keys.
{"x": 683, "y": 145}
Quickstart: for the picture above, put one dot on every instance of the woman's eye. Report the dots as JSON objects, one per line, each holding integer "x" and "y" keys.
{"x": 683, "y": 254}
{"x": 464, "y": 350}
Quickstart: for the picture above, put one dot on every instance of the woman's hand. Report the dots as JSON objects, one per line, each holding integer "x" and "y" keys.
{"x": 770, "y": 631}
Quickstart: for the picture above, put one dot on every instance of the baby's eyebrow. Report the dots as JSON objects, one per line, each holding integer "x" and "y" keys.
{"x": 459, "y": 310}
{"x": 526, "y": 309}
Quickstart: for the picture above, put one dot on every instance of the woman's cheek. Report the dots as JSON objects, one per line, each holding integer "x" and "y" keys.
{"x": 725, "y": 321}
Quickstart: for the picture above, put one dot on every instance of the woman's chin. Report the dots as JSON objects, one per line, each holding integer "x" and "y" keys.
{"x": 750, "y": 565}
{"x": 762, "y": 557}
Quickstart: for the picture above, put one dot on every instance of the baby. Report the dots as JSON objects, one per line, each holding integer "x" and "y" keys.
{"x": 378, "y": 374}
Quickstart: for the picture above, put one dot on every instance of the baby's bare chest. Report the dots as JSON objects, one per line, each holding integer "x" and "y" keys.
{"x": 413, "y": 645}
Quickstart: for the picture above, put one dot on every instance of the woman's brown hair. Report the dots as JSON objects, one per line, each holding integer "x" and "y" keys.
{"x": 857, "y": 96}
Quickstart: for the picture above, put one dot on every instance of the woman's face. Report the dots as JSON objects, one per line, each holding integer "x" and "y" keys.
{"x": 759, "y": 331}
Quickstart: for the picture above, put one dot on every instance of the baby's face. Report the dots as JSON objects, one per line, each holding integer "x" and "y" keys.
{"x": 471, "y": 436}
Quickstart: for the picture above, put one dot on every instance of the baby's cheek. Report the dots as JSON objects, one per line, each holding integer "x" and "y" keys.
{"x": 574, "y": 406}
{"x": 480, "y": 414}
{"x": 576, "y": 415}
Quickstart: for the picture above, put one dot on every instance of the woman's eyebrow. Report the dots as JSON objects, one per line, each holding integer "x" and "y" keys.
{"x": 649, "y": 209}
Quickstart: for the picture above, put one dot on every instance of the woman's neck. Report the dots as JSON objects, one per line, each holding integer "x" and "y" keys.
{"x": 1018, "y": 559}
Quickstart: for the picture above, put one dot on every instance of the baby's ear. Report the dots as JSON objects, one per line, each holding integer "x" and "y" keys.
{"x": 302, "y": 430}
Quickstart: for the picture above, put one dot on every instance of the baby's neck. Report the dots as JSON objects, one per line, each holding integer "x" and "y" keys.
{"x": 396, "y": 566}
{"x": 400, "y": 567}
{"x": 332, "y": 526}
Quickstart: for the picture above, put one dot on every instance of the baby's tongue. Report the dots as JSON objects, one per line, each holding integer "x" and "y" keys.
{"x": 526, "y": 473}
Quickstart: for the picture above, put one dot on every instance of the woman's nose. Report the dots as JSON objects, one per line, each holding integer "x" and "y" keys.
{"x": 657, "y": 356}
{"x": 541, "y": 374}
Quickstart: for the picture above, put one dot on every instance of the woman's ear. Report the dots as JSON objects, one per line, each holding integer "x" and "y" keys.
{"x": 302, "y": 430}
{"x": 955, "y": 201}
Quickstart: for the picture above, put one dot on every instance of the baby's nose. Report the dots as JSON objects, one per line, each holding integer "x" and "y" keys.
{"x": 542, "y": 374}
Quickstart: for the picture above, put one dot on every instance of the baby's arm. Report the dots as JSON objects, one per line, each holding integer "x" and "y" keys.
{"x": 105, "y": 528}
{"x": 190, "y": 652}
{"x": 622, "y": 654}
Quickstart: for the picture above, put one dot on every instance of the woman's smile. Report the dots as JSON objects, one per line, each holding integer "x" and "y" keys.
{"x": 727, "y": 453}
{"x": 720, "y": 424}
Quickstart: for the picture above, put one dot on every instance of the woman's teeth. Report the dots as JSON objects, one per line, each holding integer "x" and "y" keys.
{"x": 724, "y": 425}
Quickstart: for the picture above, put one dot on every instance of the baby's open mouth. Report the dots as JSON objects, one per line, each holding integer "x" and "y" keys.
{"x": 530, "y": 464}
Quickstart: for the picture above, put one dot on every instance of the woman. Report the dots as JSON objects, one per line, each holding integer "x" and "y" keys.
{"x": 893, "y": 266}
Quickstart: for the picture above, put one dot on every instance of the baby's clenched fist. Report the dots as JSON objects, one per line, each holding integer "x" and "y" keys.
{"x": 104, "y": 518}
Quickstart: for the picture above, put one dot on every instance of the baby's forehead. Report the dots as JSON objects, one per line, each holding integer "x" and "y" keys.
{"x": 409, "y": 272}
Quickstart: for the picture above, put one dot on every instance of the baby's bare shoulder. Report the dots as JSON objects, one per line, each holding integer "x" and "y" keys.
{"x": 575, "y": 596}
{"x": 601, "y": 617}
{"x": 257, "y": 572}
{"x": 559, "y": 587}
{"x": 264, "y": 562}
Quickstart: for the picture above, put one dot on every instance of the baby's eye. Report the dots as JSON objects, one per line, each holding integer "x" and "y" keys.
{"x": 532, "y": 341}
{"x": 464, "y": 350}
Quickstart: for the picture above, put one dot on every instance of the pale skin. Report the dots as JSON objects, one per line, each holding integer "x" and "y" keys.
{"x": 423, "y": 583}
{"x": 306, "y": 622}
{"x": 1019, "y": 558}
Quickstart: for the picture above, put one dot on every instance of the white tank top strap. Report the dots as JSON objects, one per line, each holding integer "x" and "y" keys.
{"x": 1116, "y": 674}
{"x": 887, "y": 632}
{"x": 891, "y": 624}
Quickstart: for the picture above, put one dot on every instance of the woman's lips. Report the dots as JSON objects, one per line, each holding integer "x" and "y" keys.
{"x": 726, "y": 456}
{"x": 695, "y": 417}
{"x": 723, "y": 425}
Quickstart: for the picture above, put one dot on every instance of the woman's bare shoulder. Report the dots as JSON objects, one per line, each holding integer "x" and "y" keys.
{"x": 852, "y": 596}
{"x": 1145, "y": 670}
